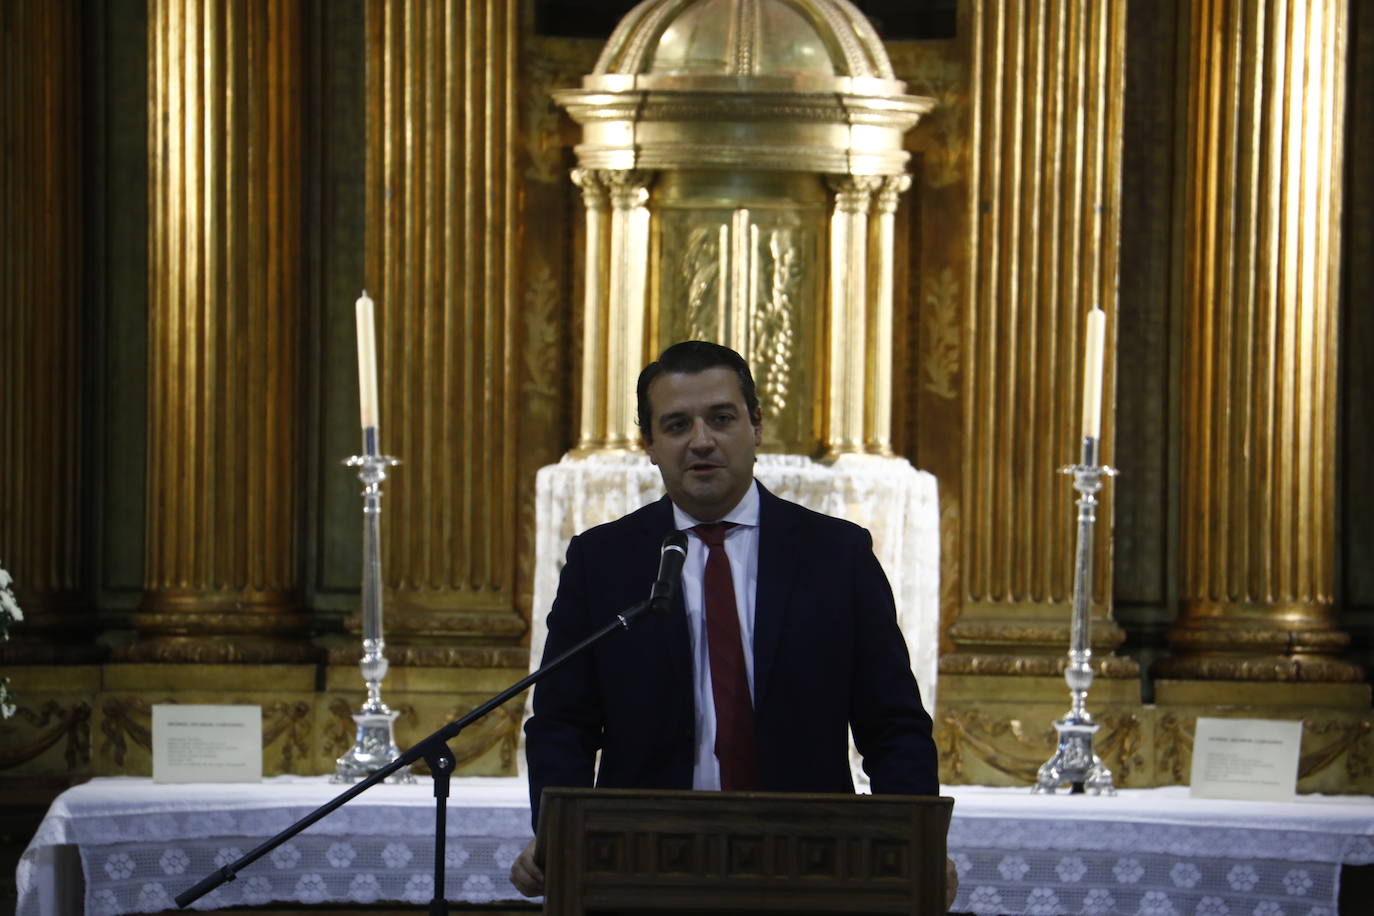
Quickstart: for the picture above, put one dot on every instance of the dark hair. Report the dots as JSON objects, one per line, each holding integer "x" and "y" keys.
{"x": 690, "y": 357}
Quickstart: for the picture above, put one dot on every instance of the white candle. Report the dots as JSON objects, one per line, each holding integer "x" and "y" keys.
{"x": 1092, "y": 373}
{"x": 367, "y": 361}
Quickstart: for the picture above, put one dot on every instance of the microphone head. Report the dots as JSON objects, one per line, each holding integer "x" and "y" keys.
{"x": 671, "y": 556}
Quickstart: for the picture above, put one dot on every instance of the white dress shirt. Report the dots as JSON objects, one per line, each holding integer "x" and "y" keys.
{"x": 742, "y": 548}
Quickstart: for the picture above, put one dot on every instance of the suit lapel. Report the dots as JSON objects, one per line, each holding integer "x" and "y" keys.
{"x": 779, "y": 558}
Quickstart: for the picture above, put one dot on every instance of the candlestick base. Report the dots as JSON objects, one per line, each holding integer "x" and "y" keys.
{"x": 1074, "y": 763}
{"x": 374, "y": 746}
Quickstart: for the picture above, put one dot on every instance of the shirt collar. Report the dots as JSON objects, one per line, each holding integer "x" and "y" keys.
{"x": 746, "y": 512}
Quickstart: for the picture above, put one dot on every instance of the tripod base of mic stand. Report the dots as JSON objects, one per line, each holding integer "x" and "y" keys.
{"x": 1074, "y": 762}
{"x": 374, "y": 746}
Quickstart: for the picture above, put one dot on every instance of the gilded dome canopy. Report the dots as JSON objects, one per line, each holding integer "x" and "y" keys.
{"x": 745, "y": 38}
{"x": 774, "y": 84}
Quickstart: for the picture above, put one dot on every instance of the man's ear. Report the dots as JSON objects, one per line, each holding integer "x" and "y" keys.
{"x": 757, "y": 420}
{"x": 648, "y": 448}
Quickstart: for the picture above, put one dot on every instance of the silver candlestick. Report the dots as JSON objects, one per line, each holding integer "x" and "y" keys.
{"x": 1074, "y": 761}
{"x": 374, "y": 745}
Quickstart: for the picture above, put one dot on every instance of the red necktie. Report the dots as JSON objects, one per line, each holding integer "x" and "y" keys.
{"x": 729, "y": 678}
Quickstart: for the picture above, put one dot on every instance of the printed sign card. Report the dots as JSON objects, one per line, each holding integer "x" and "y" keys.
{"x": 1252, "y": 759}
{"x": 207, "y": 743}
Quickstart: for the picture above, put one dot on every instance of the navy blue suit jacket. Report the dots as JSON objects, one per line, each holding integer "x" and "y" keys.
{"x": 828, "y": 655}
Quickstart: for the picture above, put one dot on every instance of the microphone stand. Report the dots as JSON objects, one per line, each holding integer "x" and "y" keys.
{"x": 433, "y": 750}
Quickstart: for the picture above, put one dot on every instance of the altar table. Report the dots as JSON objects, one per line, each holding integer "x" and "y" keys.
{"x": 1150, "y": 851}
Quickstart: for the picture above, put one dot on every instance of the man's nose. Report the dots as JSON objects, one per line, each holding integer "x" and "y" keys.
{"x": 701, "y": 439}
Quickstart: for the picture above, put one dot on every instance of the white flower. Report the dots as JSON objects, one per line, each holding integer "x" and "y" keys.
{"x": 397, "y": 855}
{"x": 1042, "y": 901}
{"x": 1012, "y": 868}
{"x": 1099, "y": 902}
{"x": 1071, "y": 869}
{"x": 226, "y": 854}
{"x": 1242, "y": 878}
{"x": 10, "y": 605}
{"x": 479, "y": 889}
{"x": 257, "y": 890}
{"x": 340, "y": 855}
{"x": 1211, "y": 906}
{"x": 119, "y": 866}
{"x": 1128, "y": 870}
{"x": 1267, "y": 908}
{"x": 962, "y": 864}
{"x": 153, "y": 897}
{"x": 1297, "y": 882}
{"x": 174, "y": 862}
{"x": 286, "y": 856}
{"x": 104, "y": 899}
{"x": 5, "y": 580}
{"x": 506, "y": 854}
{"x": 364, "y": 888}
{"x": 1185, "y": 874}
{"x": 419, "y": 888}
{"x": 310, "y": 889}
{"x": 455, "y": 856}
{"x": 985, "y": 900}
{"x": 1156, "y": 903}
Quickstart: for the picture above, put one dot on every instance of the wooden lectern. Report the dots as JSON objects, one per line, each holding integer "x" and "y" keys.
{"x": 641, "y": 851}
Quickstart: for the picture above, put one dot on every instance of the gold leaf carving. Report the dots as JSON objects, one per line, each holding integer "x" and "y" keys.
{"x": 550, "y": 64}
{"x": 126, "y": 718}
{"x": 773, "y": 337}
{"x": 1004, "y": 745}
{"x": 74, "y": 724}
{"x": 940, "y": 336}
{"x": 290, "y": 721}
{"x": 701, "y": 273}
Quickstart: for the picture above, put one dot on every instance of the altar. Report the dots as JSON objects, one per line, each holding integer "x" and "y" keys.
{"x": 126, "y": 845}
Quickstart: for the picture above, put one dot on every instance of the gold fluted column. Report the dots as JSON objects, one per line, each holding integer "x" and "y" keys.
{"x": 224, "y": 310}
{"x": 848, "y": 332}
{"x": 595, "y": 318}
{"x": 880, "y": 320}
{"x": 442, "y": 225}
{"x": 1260, "y": 282}
{"x": 40, "y": 326}
{"x": 629, "y": 277}
{"x": 1047, "y": 85}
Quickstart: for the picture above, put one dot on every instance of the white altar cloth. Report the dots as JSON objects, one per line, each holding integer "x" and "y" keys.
{"x": 141, "y": 844}
{"x": 1151, "y": 851}
{"x": 1154, "y": 851}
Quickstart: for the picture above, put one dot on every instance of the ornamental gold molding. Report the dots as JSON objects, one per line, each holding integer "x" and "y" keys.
{"x": 1044, "y": 184}
{"x": 224, "y": 310}
{"x": 32, "y": 731}
{"x": 966, "y": 737}
{"x": 1263, "y": 177}
{"x": 1104, "y": 666}
{"x": 1325, "y": 740}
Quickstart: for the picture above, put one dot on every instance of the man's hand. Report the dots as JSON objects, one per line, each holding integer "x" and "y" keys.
{"x": 951, "y": 883}
{"x": 526, "y": 874}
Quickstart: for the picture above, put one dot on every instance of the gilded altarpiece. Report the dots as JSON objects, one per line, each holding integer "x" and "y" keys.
{"x": 759, "y": 261}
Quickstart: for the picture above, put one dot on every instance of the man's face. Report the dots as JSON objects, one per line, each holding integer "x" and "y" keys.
{"x": 704, "y": 440}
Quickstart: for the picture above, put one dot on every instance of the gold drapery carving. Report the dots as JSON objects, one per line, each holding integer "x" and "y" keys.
{"x": 224, "y": 314}
{"x": 1047, "y": 86}
{"x": 441, "y": 259}
{"x": 40, "y": 324}
{"x": 1264, "y": 161}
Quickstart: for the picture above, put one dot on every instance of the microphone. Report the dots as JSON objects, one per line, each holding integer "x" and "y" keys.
{"x": 671, "y": 557}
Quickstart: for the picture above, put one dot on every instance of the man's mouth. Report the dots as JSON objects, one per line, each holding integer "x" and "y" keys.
{"x": 702, "y": 467}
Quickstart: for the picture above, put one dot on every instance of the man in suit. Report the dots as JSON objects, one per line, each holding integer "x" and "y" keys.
{"x": 783, "y": 636}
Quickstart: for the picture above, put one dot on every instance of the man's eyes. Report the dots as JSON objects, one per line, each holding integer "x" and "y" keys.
{"x": 677, "y": 426}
